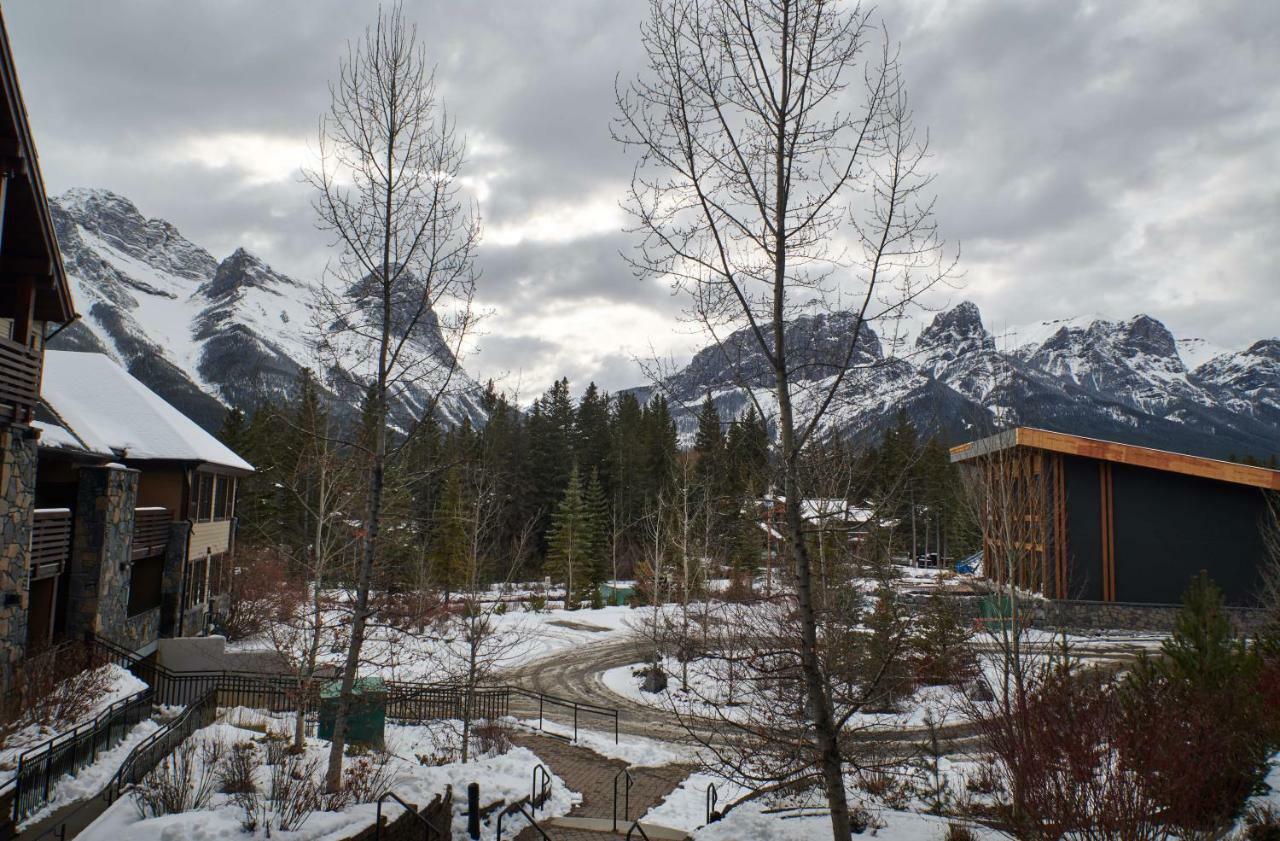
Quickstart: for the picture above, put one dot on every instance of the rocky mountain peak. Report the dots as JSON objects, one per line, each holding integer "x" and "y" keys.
{"x": 959, "y": 328}
{"x": 240, "y": 271}
{"x": 1144, "y": 334}
{"x": 118, "y": 223}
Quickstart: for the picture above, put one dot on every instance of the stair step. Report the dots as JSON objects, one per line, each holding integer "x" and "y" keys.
{"x": 655, "y": 831}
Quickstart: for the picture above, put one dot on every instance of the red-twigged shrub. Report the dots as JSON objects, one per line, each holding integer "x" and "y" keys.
{"x": 263, "y": 589}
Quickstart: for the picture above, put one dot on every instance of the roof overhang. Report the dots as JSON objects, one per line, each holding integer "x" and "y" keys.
{"x": 29, "y": 249}
{"x": 1111, "y": 451}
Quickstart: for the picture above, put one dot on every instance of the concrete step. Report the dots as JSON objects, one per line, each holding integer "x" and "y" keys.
{"x": 656, "y": 832}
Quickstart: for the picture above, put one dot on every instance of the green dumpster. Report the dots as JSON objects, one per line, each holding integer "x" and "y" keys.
{"x": 367, "y": 719}
{"x": 616, "y": 595}
{"x": 997, "y": 611}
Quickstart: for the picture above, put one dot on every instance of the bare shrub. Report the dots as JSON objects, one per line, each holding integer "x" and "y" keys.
{"x": 492, "y": 737}
{"x": 237, "y": 769}
{"x": 959, "y": 832}
{"x": 295, "y": 791}
{"x": 263, "y": 590}
{"x": 55, "y": 689}
{"x": 366, "y": 778}
{"x": 177, "y": 784}
{"x": 1261, "y": 823}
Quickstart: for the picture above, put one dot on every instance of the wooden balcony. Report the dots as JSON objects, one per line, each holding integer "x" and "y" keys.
{"x": 50, "y": 542}
{"x": 19, "y": 382}
{"x": 151, "y": 528}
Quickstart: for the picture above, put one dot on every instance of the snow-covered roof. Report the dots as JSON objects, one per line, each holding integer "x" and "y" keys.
{"x": 109, "y": 412}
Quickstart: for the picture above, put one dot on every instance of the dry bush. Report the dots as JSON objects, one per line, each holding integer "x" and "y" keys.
{"x": 295, "y": 791}
{"x": 959, "y": 832}
{"x": 56, "y": 689}
{"x": 264, "y": 589}
{"x": 179, "y": 783}
{"x": 1261, "y": 823}
{"x": 492, "y": 737}
{"x": 237, "y": 769}
{"x": 366, "y": 778}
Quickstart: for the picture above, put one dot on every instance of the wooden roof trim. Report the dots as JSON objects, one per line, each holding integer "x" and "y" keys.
{"x": 12, "y": 92}
{"x": 1111, "y": 451}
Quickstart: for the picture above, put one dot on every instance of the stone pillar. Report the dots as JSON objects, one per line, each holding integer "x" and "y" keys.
{"x": 17, "y": 502}
{"x": 98, "y": 585}
{"x": 175, "y": 561}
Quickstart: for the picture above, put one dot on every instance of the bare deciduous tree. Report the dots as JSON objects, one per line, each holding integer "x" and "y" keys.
{"x": 764, "y": 186}
{"x": 388, "y": 190}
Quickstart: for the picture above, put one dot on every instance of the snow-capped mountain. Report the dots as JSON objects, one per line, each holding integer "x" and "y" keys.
{"x": 1123, "y": 380}
{"x": 202, "y": 333}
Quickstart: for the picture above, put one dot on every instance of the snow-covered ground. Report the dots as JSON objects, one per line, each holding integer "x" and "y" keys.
{"x": 434, "y": 654}
{"x": 506, "y": 776}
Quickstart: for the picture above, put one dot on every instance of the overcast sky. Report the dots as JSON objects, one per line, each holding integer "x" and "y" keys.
{"x": 1111, "y": 157}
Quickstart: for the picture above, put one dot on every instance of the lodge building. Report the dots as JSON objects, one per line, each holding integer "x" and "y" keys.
{"x": 117, "y": 513}
{"x": 1081, "y": 519}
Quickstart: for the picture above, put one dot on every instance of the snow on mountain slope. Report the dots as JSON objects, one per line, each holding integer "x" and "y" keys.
{"x": 203, "y": 334}
{"x": 1123, "y": 380}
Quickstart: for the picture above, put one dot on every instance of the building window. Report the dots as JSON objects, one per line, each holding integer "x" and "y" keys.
{"x": 204, "y": 497}
{"x": 195, "y": 591}
{"x": 145, "y": 585}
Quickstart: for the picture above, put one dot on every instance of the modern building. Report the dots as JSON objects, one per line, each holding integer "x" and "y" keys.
{"x": 135, "y": 510}
{"x": 1081, "y": 519}
{"x": 35, "y": 302}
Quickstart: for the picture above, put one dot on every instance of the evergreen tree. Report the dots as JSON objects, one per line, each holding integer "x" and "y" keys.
{"x": 591, "y": 433}
{"x": 452, "y": 553}
{"x": 596, "y": 521}
{"x": 569, "y": 541}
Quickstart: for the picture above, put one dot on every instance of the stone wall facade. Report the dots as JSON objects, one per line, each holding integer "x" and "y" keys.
{"x": 1093, "y": 616}
{"x": 17, "y": 503}
{"x": 175, "y": 559}
{"x": 98, "y": 583}
{"x": 1155, "y": 618}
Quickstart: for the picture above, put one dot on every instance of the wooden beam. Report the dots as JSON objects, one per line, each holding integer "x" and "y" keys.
{"x": 1111, "y": 451}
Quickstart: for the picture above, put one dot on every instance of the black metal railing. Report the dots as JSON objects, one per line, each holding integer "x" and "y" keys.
{"x": 519, "y": 807}
{"x": 407, "y": 701}
{"x": 626, "y": 803}
{"x": 430, "y": 831}
{"x": 43, "y": 765}
{"x": 576, "y": 709}
{"x": 148, "y": 753}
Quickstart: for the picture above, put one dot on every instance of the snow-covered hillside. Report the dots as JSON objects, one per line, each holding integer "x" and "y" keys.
{"x": 1129, "y": 380}
{"x": 204, "y": 334}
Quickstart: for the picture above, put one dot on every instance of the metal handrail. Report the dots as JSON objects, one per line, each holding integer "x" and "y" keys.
{"x": 636, "y": 826}
{"x": 519, "y": 806}
{"x": 432, "y": 829}
{"x": 626, "y": 805}
{"x": 538, "y": 796}
{"x": 713, "y": 797}
{"x": 577, "y": 706}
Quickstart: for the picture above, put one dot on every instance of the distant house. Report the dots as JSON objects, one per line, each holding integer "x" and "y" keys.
{"x": 1106, "y": 522}
{"x": 138, "y": 503}
{"x": 832, "y": 524}
{"x": 35, "y": 301}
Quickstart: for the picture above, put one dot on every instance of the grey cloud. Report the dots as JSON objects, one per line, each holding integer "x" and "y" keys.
{"x": 1118, "y": 157}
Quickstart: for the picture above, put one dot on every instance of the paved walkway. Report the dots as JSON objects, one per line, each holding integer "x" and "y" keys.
{"x": 591, "y": 774}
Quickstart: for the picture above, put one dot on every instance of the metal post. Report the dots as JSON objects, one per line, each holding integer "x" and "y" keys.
{"x": 473, "y": 811}
{"x": 539, "y": 710}
{"x": 575, "y": 722}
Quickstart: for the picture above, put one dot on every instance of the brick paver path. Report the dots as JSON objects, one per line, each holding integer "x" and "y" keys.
{"x": 591, "y": 774}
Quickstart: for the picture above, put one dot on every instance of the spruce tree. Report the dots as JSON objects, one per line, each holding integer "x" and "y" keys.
{"x": 450, "y": 534}
{"x": 569, "y": 541}
{"x": 596, "y": 526}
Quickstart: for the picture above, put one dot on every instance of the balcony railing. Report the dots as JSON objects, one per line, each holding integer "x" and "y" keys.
{"x": 151, "y": 528}
{"x": 19, "y": 381}
{"x": 50, "y": 542}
